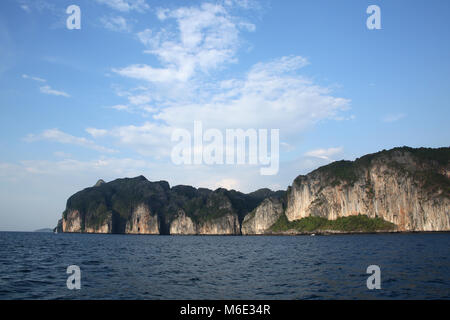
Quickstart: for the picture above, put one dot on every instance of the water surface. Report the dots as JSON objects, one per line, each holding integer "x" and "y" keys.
{"x": 413, "y": 266}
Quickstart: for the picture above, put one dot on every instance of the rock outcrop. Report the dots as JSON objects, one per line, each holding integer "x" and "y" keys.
{"x": 99, "y": 183}
{"x": 263, "y": 217}
{"x": 407, "y": 187}
{"x": 71, "y": 221}
{"x": 139, "y": 206}
{"x": 183, "y": 225}
{"x": 104, "y": 227}
{"x": 225, "y": 225}
{"x": 142, "y": 221}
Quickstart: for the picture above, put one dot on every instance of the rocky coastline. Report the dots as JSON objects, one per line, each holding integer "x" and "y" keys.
{"x": 398, "y": 190}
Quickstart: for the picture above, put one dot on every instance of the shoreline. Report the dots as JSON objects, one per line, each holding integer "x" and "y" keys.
{"x": 288, "y": 233}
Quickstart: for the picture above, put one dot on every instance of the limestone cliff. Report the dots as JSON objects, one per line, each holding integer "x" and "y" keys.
{"x": 221, "y": 216}
{"x": 104, "y": 227}
{"x": 263, "y": 217}
{"x": 72, "y": 221}
{"x": 142, "y": 221}
{"x": 225, "y": 225}
{"x": 139, "y": 206}
{"x": 408, "y": 187}
{"x": 182, "y": 224}
{"x": 215, "y": 216}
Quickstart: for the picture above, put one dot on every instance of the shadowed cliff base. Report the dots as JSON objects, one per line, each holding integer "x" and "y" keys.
{"x": 397, "y": 190}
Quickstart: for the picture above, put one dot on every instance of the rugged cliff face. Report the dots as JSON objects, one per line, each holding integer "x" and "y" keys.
{"x": 182, "y": 224}
{"x": 215, "y": 217}
{"x": 142, "y": 221}
{"x": 225, "y": 225}
{"x": 104, "y": 227}
{"x": 408, "y": 187}
{"x": 138, "y": 206}
{"x": 72, "y": 221}
{"x": 263, "y": 217}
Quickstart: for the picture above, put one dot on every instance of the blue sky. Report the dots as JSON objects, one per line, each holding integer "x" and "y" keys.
{"x": 101, "y": 102}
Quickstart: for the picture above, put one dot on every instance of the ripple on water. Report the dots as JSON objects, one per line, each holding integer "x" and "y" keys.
{"x": 33, "y": 266}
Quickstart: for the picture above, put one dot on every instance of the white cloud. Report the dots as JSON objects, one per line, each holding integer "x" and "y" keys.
{"x": 271, "y": 95}
{"x": 25, "y": 76}
{"x": 117, "y": 23}
{"x": 56, "y": 135}
{"x": 39, "y": 5}
{"x": 121, "y": 107}
{"x": 139, "y": 99}
{"x": 25, "y": 8}
{"x": 148, "y": 73}
{"x": 246, "y": 4}
{"x": 126, "y": 5}
{"x": 149, "y": 139}
{"x": 206, "y": 37}
{"x": 96, "y": 132}
{"x": 49, "y": 90}
{"x": 227, "y": 184}
{"x": 393, "y": 117}
{"x": 279, "y": 66}
{"x": 325, "y": 154}
{"x": 143, "y": 109}
{"x": 46, "y": 89}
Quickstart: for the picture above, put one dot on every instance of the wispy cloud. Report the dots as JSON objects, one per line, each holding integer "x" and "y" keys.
{"x": 149, "y": 139}
{"x": 121, "y": 107}
{"x": 25, "y": 8}
{"x": 25, "y": 76}
{"x": 48, "y": 90}
{"x": 59, "y": 136}
{"x": 325, "y": 154}
{"x": 96, "y": 132}
{"x": 140, "y": 99}
{"x": 116, "y": 23}
{"x": 393, "y": 117}
{"x": 126, "y": 5}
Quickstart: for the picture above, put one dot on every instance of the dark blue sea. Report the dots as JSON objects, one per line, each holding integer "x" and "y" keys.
{"x": 413, "y": 266}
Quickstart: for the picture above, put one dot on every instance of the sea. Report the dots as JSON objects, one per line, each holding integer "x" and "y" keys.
{"x": 410, "y": 266}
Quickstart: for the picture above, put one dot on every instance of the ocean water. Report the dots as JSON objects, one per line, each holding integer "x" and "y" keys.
{"x": 413, "y": 266}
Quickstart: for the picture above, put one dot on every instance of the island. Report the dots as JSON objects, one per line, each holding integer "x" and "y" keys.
{"x": 399, "y": 190}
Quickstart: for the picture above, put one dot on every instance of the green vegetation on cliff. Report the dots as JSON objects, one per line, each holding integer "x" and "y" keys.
{"x": 114, "y": 202}
{"x": 205, "y": 205}
{"x": 424, "y": 167}
{"x": 359, "y": 223}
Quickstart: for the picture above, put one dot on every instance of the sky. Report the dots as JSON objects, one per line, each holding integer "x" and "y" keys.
{"x": 102, "y": 101}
